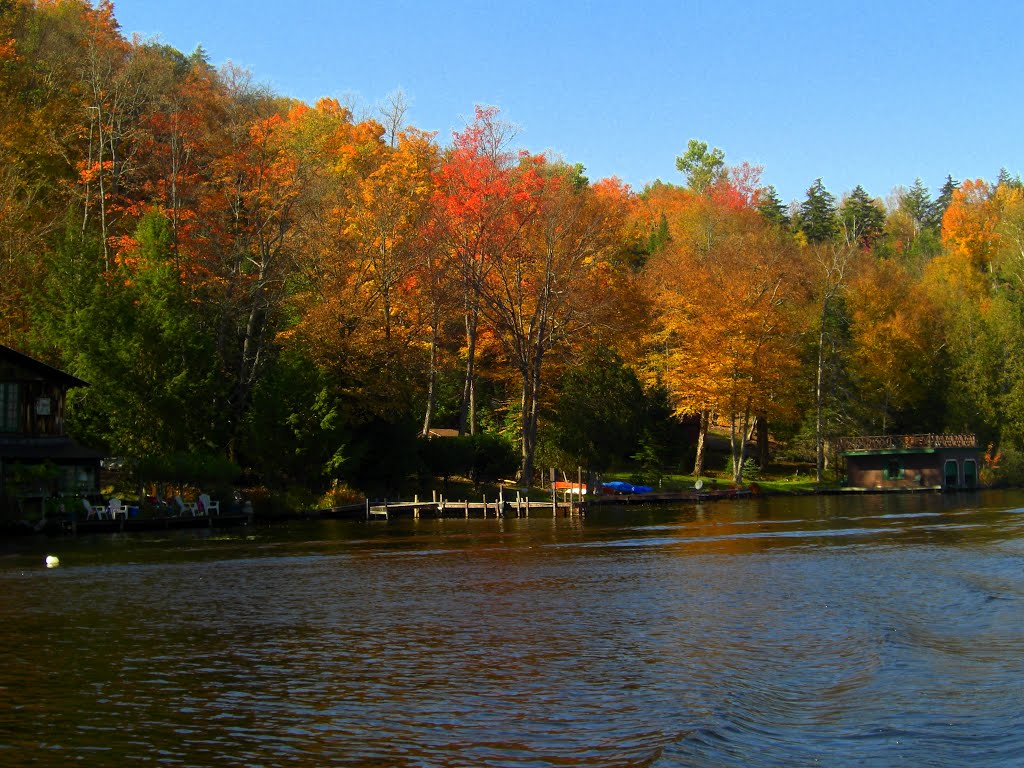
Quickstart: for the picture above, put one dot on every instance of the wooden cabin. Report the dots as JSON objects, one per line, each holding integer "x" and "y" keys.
{"x": 37, "y": 459}
{"x": 894, "y": 462}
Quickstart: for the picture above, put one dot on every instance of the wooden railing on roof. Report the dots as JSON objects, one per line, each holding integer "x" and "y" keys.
{"x": 895, "y": 442}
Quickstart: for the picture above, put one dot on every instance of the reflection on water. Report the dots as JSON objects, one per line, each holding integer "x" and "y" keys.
{"x": 873, "y": 630}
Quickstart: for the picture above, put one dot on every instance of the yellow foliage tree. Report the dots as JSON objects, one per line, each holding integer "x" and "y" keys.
{"x": 725, "y": 293}
{"x": 896, "y": 335}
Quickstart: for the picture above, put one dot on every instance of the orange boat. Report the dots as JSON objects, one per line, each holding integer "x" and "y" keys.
{"x": 573, "y": 488}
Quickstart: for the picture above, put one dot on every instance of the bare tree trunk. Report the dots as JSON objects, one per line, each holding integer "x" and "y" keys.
{"x": 698, "y": 464}
{"x": 431, "y": 381}
{"x": 733, "y": 449}
{"x": 740, "y": 451}
{"x": 531, "y": 404}
{"x": 820, "y": 397}
{"x": 526, "y": 459}
{"x": 467, "y": 413}
{"x": 763, "y": 447}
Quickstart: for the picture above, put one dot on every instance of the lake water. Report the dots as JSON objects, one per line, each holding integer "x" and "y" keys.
{"x": 868, "y": 630}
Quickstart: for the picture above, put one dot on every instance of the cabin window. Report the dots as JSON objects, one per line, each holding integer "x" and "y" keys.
{"x": 893, "y": 470}
{"x": 78, "y": 479}
{"x": 970, "y": 473}
{"x": 952, "y": 473}
{"x": 9, "y": 410}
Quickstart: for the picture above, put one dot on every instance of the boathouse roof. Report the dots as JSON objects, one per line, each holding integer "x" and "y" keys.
{"x": 927, "y": 443}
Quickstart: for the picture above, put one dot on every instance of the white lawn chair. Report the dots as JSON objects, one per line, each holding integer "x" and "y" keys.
{"x": 117, "y": 509}
{"x": 91, "y": 512}
{"x": 207, "y": 507}
{"x": 184, "y": 508}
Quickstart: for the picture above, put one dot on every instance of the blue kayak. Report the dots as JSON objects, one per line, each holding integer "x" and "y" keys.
{"x": 617, "y": 486}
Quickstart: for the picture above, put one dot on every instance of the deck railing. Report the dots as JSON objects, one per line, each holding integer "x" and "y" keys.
{"x": 896, "y": 442}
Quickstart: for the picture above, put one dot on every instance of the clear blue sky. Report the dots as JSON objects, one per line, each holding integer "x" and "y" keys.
{"x": 871, "y": 93}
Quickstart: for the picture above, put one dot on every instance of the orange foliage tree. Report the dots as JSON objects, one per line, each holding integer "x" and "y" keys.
{"x": 544, "y": 292}
{"x": 484, "y": 198}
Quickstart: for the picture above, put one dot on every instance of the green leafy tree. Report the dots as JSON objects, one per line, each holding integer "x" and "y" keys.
{"x": 294, "y": 429}
{"x": 599, "y": 412}
{"x": 135, "y": 338}
{"x": 383, "y": 456}
{"x": 701, "y": 166}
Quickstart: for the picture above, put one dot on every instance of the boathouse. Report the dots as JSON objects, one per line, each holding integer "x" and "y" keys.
{"x": 37, "y": 459}
{"x": 894, "y": 462}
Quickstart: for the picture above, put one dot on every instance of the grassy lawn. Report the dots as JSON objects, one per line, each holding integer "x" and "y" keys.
{"x": 772, "y": 483}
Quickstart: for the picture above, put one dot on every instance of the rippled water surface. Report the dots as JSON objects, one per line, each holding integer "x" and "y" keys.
{"x": 873, "y": 630}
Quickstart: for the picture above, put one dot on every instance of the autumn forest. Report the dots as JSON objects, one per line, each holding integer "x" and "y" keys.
{"x": 304, "y": 291}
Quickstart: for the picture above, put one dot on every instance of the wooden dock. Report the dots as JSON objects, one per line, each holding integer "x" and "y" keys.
{"x": 520, "y": 506}
{"x": 440, "y": 507}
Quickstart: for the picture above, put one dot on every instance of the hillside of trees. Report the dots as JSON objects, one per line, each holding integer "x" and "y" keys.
{"x": 304, "y": 292}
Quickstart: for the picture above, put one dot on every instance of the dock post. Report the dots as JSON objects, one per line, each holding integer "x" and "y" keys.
{"x": 579, "y": 487}
{"x": 554, "y": 498}
{"x": 466, "y": 502}
{"x": 367, "y": 507}
{"x": 484, "y": 497}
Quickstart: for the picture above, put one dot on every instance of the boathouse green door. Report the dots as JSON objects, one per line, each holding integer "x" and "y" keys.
{"x": 970, "y": 473}
{"x": 951, "y": 474}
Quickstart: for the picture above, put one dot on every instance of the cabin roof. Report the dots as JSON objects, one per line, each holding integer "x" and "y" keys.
{"x": 39, "y": 368}
{"x": 58, "y": 449}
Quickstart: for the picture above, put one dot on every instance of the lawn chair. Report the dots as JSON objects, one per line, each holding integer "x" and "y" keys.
{"x": 207, "y": 507}
{"x": 184, "y": 508}
{"x": 94, "y": 513}
{"x": 116, "y": 508}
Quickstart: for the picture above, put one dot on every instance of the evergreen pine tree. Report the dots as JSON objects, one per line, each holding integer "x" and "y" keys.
{"x": 1006, "y": 180}
{"x": 863, "y": 218}
{"x": 659, "y": 237}
{"x": 942, "y": 202}
{"x": 818, "y": 214}
{"x": 770, "y": 206}
{"x": 917, "y": 202}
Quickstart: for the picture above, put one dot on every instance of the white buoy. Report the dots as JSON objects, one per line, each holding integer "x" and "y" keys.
{"x": 52, "y": 561}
